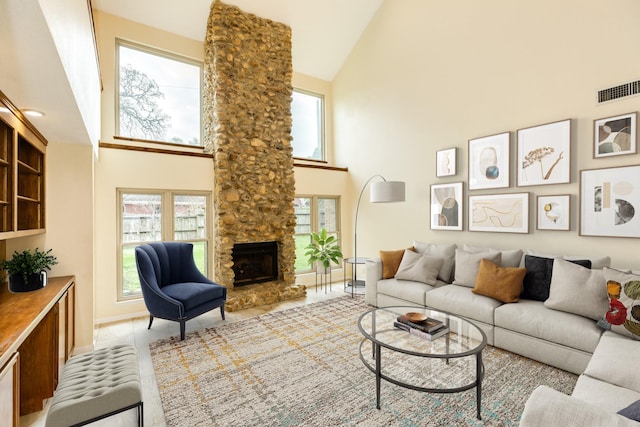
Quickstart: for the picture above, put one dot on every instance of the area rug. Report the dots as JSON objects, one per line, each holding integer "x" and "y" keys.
{"x": 300, "y": 367}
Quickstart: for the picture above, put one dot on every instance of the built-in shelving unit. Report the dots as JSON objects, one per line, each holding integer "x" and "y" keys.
{"x": 22, "y": 174}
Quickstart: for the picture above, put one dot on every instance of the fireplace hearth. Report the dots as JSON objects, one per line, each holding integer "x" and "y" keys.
{"x": 255, "y": 262}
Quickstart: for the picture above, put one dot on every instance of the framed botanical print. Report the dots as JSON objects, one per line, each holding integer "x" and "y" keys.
{"x": 446, "y": 206}
{"x": 610, "y": 202}
{"x": 615, "y": 136}
{"x": 553, "y": 212}
{"x": 446, "y": 162}
{"x": 544, "y": 154}
{"x": 503, "y": 213}
{"x": 489, "y": 161}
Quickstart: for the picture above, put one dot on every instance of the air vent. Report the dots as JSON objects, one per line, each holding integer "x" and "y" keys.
{"x": 620, "y": 91}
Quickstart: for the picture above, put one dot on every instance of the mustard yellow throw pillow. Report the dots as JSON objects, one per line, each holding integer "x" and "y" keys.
{"x": 501, "y": 283}
{"x": 390, "y": 262}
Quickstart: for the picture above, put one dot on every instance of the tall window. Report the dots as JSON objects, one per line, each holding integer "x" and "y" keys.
{"x": 307, "y": 114}
{"x": 314, "y": 213}
{"x": 153, "y": 216}
{"x": 158, "y": 96}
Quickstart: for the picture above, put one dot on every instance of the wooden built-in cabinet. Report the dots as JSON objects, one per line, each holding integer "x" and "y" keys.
{"x": 22, "y": 174}
{"x": 36, "y": 339}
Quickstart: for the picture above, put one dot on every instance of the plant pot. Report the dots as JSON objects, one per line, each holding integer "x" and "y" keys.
{"x": 34, "y": 282}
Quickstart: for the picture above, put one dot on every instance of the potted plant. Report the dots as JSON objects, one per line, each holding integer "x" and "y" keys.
{"x": 323, "y": 250}
{"x": 28, "y": 270}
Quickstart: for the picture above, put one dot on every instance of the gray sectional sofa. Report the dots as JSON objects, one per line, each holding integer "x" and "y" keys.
{"x": 555, "y": 315}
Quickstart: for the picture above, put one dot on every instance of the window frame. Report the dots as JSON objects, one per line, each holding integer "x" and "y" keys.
{"x": 314, "y": 223}
{"x": 321, "y": 126}
{"x": 166, "y": 55}
{"x": 167, "y": 229}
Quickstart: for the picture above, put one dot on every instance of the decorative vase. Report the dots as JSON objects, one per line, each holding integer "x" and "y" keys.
{"x": 34, "y": 282}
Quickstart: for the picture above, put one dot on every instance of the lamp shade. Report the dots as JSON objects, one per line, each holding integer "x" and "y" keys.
{"x": 387, "y": 192}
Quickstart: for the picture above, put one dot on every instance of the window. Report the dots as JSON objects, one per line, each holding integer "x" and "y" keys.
{"x": 307, "y": 114}
{"x": 159, "y": 96}
{"x": 152, "y": 216}
{"x": 314, "y": 213}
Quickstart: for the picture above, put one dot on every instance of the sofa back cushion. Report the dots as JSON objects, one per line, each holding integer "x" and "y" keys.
{"x": 440, "y": 250}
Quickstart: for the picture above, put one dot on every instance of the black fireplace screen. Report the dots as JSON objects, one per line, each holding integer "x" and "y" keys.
{"x": 255, "y": 262}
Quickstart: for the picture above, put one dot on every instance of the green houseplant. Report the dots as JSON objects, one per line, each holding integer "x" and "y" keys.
{"x": 324, "y": 249}
{"x": 27, "y": 270}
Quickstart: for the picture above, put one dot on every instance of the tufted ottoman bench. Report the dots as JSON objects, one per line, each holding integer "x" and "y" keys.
{"x": 97, "y": 385}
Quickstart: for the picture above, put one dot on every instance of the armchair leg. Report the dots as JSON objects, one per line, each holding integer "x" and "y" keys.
{"x": 182, "y": 328}
{"x": 222, "y": 311}
{"x": 150, "y": 321}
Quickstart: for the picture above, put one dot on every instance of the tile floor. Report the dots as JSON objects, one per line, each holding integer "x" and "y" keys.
{"x": 135, "y": 332}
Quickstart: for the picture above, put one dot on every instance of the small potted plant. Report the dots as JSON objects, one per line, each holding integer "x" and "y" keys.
{"x": 323, "y": 250}
{"x": 28, "y": 270}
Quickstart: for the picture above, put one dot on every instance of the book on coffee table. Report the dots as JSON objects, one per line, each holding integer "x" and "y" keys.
{"x": 442, "y": 330}
{"x": 428, "y": 325}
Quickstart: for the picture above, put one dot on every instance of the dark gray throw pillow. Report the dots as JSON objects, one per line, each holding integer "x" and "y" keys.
{"x": 632, "y": 411}
{"x": 537, "y": 281}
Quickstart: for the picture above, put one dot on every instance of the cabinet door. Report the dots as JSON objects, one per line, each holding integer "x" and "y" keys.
{"x": 62, "y": 336}
{"x": 10, "y": 392}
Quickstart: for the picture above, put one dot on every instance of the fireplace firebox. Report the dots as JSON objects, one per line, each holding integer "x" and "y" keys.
{"x": 255, "y": 262}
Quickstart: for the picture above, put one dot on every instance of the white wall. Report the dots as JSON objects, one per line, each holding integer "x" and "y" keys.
{"x": 427, "y": 76}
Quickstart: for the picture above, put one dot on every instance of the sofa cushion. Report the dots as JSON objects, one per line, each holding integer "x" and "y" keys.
{"x": 632, "y": 411}
{"x": 510, "y": 257}
{"x": 468, "y": 264}
{"x": 578, "y": 290}
{"x": 390, "y": 262}
{"x": 623, "y": 315}
{"x": 534, "y": 319}
{"x": 441, "y": 250}
{"x": 420, "y": 268}
{"x": 462, "y": 302}
{"x": 404, "y": 289}
{"x": 192, "y": 294}
{"x": 503, "y": 284}
{"x": 609, "y": 397}
{"x": 616, "y": 361}
{"x": 537, "y": 281}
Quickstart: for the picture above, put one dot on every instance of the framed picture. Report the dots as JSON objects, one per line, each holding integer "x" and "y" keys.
{"x": 553, "y": 212}
{"x": 446, "y": 162}
{"x": 610, "y": 202}
{"x": 544, "y": 154}
{"x": 489, "y": 161}
{"x": 615, "y": 136}
{"x": 504, "y": 213}
{"x": 446, "y": 206}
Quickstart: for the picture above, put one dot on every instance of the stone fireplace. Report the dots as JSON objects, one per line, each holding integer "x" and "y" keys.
{"x": 254, "y": 263}
{"x": 247, "y": 122}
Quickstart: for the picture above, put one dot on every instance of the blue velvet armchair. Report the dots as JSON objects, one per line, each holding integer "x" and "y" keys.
{"x": 172, "y": 286}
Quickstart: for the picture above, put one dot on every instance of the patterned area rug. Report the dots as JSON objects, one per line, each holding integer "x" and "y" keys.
{"x": 300, "y": 367}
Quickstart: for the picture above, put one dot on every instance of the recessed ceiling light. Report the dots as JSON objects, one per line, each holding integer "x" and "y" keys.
{"x": 33, "y": 113}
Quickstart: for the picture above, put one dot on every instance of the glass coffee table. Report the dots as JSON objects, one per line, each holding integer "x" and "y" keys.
{"x": 451, "y": 363}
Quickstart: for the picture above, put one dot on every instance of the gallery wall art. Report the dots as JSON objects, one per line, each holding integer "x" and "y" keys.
{"x": 446, "y": 162}
{"x": 505, "y": 213}
{"x": 553, "y": 212}
{"x": 615, "y": 136}
{"x": 544, "y": 154}
{"x": 489, "y": 161}
{"x": 447, "y": 206}
{"x": 610, "y": 202}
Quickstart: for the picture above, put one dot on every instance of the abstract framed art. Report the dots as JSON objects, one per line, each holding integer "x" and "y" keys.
{"x": 544, "y": 154}
{"x": 446, "y": 162}
{"x": 553, "y": 212}
{"x": 489, "y": 161}
{"x": 610, "y": 202}
{"x": 447, "y": 206}
{"x": 615, "y": 136}
{"x": 503, "y": 213}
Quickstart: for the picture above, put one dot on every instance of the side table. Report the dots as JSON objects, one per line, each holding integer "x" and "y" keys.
{"x": 356, "y": 285}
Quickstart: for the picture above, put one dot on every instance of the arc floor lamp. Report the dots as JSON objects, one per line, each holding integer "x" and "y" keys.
{"x": 380, "y": 192}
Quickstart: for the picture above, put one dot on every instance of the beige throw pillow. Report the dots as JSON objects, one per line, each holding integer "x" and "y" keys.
{"x": 468, "y": 264}
{"x": 578, "y": 290}
{"x": 440, "y": 250}
{"x": 419, "y": 268}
